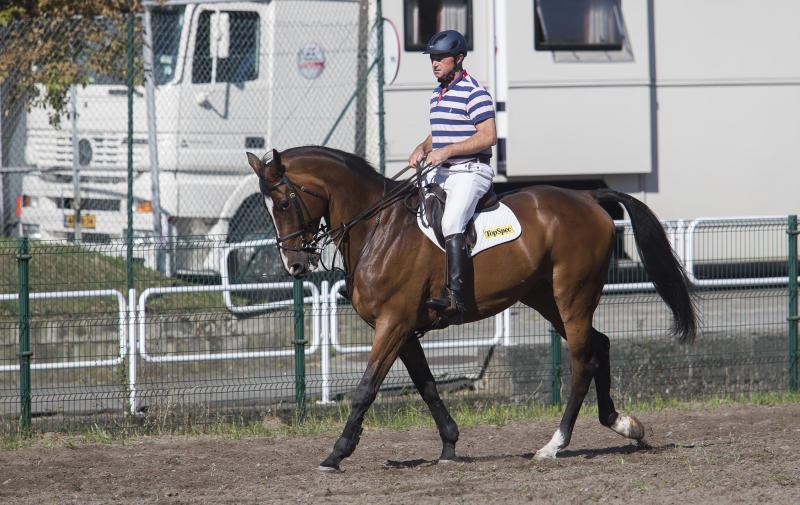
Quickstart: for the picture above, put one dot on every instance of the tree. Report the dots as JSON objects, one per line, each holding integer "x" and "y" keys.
{"x": 47, "y": 46}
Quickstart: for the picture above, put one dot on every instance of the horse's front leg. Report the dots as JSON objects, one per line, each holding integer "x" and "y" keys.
{"x": 389, "y": 338}
{"x": 417, "y": 365}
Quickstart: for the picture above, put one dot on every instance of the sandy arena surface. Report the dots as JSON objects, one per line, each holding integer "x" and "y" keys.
{"x": 732, "y": 454}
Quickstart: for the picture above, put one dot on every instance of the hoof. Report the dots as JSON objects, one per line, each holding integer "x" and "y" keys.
{"x": 448, "y": 452}
{"x": 330, "y": 465}
{"x": 629, "y": 427}
{"x": 448, "y": 461}
{"x": 544, "y": 455}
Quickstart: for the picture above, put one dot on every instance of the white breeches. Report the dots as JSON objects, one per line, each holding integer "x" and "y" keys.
{"x": 464, "y": 184}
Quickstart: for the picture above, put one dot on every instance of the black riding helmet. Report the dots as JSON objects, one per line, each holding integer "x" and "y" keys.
{"x": 447, "y": 42}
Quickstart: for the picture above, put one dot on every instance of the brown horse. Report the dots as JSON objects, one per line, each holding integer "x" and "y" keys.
{"x": 558, "y": 266}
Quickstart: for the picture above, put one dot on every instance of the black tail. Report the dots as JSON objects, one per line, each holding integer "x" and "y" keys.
{"x": 660, "y": 262}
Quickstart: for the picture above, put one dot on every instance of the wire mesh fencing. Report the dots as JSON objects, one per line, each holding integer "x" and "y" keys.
{"x": 188, "y": 350}
{"x": 211, "y": 81}
{"x": 201, "y": 322}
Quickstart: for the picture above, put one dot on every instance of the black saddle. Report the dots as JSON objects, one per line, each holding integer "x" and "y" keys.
{"x": 433, "y": 205}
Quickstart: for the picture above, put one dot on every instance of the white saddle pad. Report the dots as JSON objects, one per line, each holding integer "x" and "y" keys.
{"x": 493, "y": 228}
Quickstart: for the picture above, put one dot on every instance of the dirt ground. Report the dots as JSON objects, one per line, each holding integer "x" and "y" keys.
{"x": 739, "y": 454}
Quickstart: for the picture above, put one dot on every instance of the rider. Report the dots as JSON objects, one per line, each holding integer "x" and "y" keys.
{"x": 459, "y": 145}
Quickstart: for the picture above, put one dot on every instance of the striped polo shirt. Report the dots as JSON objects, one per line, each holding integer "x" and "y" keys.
{"x": 454, "y": 114}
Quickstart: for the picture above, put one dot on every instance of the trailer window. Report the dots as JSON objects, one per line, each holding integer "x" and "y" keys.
{"x": 578, "y": 25}
{"x": 241, "y": 61}
{"x": 423, "y": 18}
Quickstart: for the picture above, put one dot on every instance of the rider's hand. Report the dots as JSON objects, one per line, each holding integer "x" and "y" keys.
{"x": 438, "y": 156}
{"x": 416, "y": 156}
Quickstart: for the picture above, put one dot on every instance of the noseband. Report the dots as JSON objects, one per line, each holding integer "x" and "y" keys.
{"x": 300, "y": 210}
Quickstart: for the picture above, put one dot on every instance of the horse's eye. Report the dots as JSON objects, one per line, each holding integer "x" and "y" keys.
{"x": 283, "y": 206}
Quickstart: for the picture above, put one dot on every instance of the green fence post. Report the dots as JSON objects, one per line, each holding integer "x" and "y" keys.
{"x": 555, "y": 369}
{"x": 25, "y": 353}
{"x": 792, "y": 319}
{"x": 299, "y": 350}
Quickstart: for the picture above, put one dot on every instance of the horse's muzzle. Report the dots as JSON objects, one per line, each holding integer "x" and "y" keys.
{"x": 298, "y": 270}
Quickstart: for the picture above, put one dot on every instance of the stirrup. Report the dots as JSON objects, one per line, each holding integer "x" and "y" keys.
{"x": 449, "y": 306}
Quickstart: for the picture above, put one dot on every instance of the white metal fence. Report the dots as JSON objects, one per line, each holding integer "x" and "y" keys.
{"x": 691, "y": 241}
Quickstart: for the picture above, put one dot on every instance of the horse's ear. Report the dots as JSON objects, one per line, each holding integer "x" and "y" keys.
{"x": 277, "y": 165}
{"x": 256, "y": 164}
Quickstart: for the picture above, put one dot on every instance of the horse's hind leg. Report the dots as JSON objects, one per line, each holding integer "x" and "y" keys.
{"x": 627, "y": 426}
{"x": 414, "y": 359}
{"x": 570, "y": 313}
{"x": 582, "y": 370}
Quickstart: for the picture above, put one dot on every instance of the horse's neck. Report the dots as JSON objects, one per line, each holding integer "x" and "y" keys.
{"x": 351, "y": 197}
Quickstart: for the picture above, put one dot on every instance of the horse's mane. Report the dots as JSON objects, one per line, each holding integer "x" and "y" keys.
{"x": 355, "y": 163}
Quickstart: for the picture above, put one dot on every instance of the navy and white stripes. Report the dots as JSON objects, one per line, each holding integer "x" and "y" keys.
{"x": 455, "y": 113}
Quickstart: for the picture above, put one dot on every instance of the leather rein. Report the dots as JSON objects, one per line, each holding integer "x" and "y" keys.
{"x": 314, "y": 241}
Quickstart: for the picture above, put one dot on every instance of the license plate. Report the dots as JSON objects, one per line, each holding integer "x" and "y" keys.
{"x": 87, "y": 221}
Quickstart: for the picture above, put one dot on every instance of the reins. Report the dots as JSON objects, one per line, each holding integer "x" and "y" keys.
{"x": 327, "y": 235}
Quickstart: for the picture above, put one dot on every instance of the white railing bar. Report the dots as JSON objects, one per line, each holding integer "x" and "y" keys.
{"x": 223, "y": 268}
{"x": 325, "y": 343}
{"x": 132, "y": 351}
{"x": 690, "y": 259}
{"x": 92, "y": 293}
{"x": 142, "y": 315}
{"x": 499, "y": 332}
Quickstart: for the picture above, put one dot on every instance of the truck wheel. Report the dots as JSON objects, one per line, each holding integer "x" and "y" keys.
{"x": 253, "y": 264}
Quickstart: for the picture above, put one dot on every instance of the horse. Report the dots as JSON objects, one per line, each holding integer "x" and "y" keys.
{"x": 558, "y": 266}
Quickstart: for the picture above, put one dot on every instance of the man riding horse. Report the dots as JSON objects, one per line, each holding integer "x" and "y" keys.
{"x": 460, "y": 146}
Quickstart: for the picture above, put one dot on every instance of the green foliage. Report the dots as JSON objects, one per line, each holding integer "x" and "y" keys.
{"x": 47, "y": 46}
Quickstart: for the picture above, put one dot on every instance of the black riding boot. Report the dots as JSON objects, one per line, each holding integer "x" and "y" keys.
{"x": 451, "y": 304}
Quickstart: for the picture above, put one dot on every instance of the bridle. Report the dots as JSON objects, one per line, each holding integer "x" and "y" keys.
{"x": 307, "y": 228}
{"x": 322, "y": 236}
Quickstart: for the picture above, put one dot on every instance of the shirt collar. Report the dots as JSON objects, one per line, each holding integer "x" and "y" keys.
{"x": 452, "y": 84}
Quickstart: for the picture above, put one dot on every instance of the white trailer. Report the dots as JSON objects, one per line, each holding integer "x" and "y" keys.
{"x": 690, "y": 105}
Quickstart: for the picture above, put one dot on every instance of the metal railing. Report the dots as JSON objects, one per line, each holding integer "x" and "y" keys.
{"x": 54, "y": 295}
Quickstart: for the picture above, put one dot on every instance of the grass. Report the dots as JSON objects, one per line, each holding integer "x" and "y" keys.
{"x": 396, "y": 416}
{"x": 60, "y": 266}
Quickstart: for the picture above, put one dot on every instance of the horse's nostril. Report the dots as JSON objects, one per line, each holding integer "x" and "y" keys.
{"x": 297, "y": 269}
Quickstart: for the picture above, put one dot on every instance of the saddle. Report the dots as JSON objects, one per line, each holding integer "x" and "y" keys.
{"x": 433, "y": 206}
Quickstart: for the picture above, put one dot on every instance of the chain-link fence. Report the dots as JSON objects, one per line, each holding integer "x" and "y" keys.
{"x": 203, "y": 322}
{"x": 224, "y": 78}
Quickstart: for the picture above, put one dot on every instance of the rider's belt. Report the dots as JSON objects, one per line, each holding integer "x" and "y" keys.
{"x": 480, "y": 159}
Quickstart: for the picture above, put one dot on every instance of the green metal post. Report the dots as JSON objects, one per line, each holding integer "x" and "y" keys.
{"x": 555, "y": 369}
{"x": 299, "y": 351}
{"x": 25, "y": 353}
{"x": 381, "y": 133}
{"x": 792, "y": 319}
{"x": 129, "y": 235}
{"x": 362, "y": 82}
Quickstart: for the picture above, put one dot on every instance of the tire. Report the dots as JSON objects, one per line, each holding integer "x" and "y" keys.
{"x": 257, "y": 264}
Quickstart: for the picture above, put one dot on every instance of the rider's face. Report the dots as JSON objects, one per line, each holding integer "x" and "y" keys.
{"x": 443, "y": 64}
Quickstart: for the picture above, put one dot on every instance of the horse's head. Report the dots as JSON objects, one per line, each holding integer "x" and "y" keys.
{"x": 295, "y": 209}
